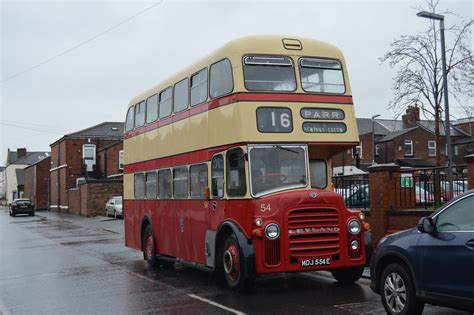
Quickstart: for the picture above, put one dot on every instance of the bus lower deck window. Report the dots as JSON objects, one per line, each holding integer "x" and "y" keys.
{"x": 236, "y": 185}
{"x": 318, "y": 173}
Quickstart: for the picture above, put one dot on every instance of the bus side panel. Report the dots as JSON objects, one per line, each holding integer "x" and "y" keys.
{"x": 239, "y": 211}
{"x": 199, "y": 212}
{"x": 164, "y": 223}
{"x": 131, "y": 225}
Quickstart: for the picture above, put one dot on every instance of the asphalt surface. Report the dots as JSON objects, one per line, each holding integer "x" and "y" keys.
{"x": 64, "y": 264}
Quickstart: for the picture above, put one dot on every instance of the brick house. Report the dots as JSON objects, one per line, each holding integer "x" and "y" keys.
{"x": 406, "y": 142}
{"x": 36, "y": 183}
{"x": 75, "y": 160}
{"x": 14, "y": 171}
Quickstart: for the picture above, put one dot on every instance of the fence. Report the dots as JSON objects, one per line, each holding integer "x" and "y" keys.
{"x": 354, "y": 190}
{"x": 426, "y": 188}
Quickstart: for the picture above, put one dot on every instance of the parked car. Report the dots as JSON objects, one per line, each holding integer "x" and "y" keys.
{"x": 22, "y": 206}
{"x": 114, "y": 206}
{"x": 431, "y": 263}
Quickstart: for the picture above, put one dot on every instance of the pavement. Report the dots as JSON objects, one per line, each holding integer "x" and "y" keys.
{"x": 65, "y": 264}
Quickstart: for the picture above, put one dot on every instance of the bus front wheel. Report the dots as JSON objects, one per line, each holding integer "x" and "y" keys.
{"x": 347, "y": 275}
{"x": 233, "y": 262}
{"x": 149, "y": 247}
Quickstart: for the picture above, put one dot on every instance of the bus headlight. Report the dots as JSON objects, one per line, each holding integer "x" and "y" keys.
{"x": 272, "y": 231}
{"x": 354, "y": 245}
{"x": 354, "y": 227}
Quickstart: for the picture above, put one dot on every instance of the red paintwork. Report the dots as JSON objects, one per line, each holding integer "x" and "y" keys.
{"x": 242, "y": 97}
{"x": 198, "y": 156}
{"x": 178, "y": 235}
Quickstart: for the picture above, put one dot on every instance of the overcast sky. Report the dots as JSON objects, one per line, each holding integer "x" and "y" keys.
{"x": 93, "y": 83}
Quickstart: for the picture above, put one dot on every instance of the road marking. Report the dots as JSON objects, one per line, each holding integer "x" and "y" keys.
{"x": 216, "y": 304}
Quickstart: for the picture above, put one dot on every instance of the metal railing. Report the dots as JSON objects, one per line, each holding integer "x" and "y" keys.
{"x": 426, "y": 188}
{"x": 354, "y": 190}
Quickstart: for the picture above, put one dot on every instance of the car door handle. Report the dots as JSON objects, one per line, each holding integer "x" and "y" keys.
{"x": 470, "y": 244}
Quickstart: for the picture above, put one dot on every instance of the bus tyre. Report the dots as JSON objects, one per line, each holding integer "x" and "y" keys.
{"x": 348, "y": 275}
{"x": 235, "y": 272}
{"x": 397, "y": 291}
{"x": 149, "y": 248}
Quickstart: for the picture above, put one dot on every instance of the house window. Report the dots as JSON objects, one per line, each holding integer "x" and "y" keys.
{"x": 357, "y": 151}
{"x": 88, "y": 156}
{"x": 408, "y": 147}
{"x": 456, "y": 150}
{"x": 432, "y": 148}
{"x": 120, "y": 159}
{"x": 376, "y": 150}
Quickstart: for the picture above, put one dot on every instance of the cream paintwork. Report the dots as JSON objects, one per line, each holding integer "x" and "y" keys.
{"x": 236, "y": 123}
{"x": 236, "y": 49}
{"x": 232, "y": 123}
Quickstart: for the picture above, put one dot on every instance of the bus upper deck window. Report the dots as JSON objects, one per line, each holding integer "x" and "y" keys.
{"x": 130, "y": 121}
{"x": 322, "y": 76}
{"x": 269, "y": 73}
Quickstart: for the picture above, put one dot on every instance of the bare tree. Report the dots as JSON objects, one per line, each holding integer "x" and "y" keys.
{"x": 419, "y": 77}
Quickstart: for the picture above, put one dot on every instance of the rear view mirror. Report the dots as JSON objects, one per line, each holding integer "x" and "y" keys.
{"x": 426, "y": 225}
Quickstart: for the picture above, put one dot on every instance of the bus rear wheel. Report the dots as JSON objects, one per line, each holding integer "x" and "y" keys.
{"x": 348, "y": 275}
{"x": 149, "y": 247}
{"x": 233, "y": 263}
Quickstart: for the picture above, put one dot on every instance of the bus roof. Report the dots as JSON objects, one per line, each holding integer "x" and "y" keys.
{"x": 257, "y": 44}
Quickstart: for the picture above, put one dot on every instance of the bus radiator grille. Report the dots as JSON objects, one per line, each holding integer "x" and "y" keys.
{"x": 313, "y": 233}
{"x": 272, "y": 252}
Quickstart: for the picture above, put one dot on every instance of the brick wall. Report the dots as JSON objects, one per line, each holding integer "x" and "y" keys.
{"x": 67, "y": 155}
{"x": 108, "y": 159}
{"x": 470, "y": 171}
{"x": 74, "y": 202}
{"x": 90, "y": 198}
{"x": 37, "y": 183}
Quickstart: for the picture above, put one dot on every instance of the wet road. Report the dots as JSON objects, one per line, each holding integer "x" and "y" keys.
{"x": 58, "y": 264}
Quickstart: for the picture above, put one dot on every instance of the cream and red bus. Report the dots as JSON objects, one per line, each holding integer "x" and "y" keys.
{"x": 228, "y": 163}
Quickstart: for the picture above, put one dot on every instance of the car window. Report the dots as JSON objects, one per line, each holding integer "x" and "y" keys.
{"x": 457, "y": 217}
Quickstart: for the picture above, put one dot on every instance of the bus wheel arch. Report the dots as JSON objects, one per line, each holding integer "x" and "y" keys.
{"x": 235, "y": 257}
{"x": 148, "y": 243}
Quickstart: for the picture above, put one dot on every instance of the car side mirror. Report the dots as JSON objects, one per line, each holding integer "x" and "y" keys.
{"x": 426, "y": 225}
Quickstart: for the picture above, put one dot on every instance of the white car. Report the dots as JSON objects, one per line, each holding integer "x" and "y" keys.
{"x": 114, "y": 206}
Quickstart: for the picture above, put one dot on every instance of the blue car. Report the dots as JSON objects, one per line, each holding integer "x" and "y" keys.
{"x": 432, "y": 263}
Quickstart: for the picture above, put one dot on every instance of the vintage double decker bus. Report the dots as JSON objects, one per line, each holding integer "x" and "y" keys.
{"x": 228, "y": 163}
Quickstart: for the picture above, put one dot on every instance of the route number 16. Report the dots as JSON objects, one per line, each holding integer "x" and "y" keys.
{"x": 274, "y": 119}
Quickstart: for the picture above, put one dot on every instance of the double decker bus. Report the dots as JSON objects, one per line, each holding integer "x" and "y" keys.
{"x": 228, "y": 163}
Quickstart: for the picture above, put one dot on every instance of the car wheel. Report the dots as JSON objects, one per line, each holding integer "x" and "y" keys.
{"x": 32, "y": 214}
{"x": 10, "y": 213}
{"x": 149, "y": 247}
{"x": 107, "y": 212}
{"x": 236, "y": 275}
{"x": 13, "y": 213}
{"x": 115, "y": 214}
{"x": 347, "y": 275}
{"x": 398, "y": 291}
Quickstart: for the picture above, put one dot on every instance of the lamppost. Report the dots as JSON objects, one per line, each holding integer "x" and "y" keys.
{"x": 373, "y": 137}
{"x": 440, "y": 18}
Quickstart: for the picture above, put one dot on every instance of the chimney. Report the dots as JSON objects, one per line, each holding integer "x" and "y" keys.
{"x": 20, "y": 152}
{"x": 412, "y": 114}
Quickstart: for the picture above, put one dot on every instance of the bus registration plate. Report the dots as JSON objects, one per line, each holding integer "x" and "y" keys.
{"x": 315, "y": 262}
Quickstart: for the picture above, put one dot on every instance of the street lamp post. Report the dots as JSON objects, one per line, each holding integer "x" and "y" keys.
{"x": 373, "y": 137}
{"x": 440, "y": 18}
